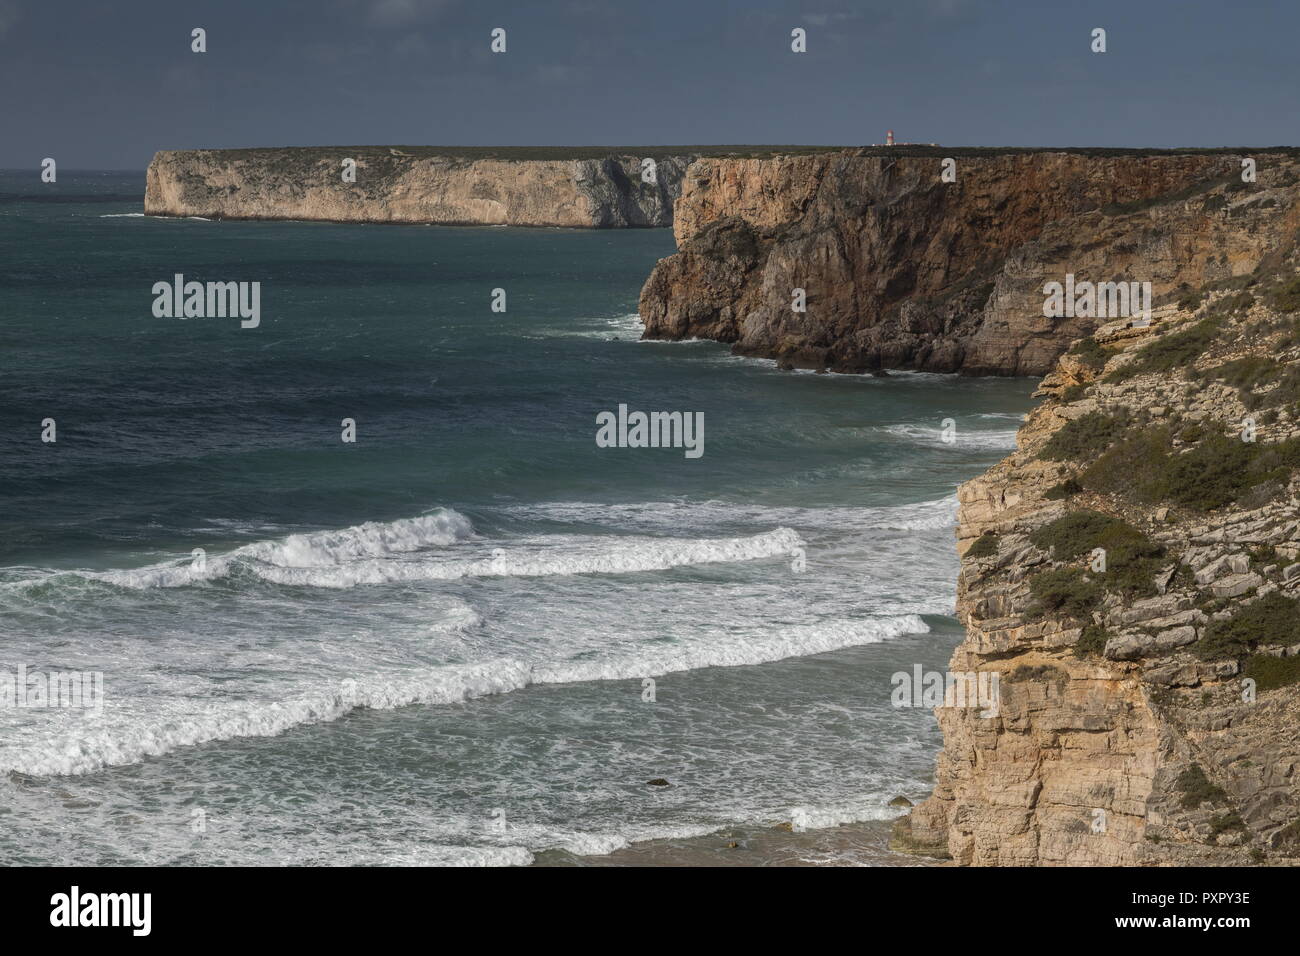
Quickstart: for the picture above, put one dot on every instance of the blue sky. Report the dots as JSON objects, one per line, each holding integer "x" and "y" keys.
{"x": 103, "y": 84}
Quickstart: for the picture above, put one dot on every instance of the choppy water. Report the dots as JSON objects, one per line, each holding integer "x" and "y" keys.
{"x": 431, "y": 645}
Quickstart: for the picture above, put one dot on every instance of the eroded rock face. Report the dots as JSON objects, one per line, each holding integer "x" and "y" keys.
{"x": 902, "y": 270}
{"x": 396, "y": 186}
{"x": 1096, "y": 737}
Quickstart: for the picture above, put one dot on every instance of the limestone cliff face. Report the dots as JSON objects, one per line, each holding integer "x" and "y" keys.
{"x": 397, "y": 185}
{"x": 1150, "y": 703}
{"x": 903, "y": 270}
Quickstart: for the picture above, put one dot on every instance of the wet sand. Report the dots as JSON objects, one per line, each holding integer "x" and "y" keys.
{"x": 854, "y": 844}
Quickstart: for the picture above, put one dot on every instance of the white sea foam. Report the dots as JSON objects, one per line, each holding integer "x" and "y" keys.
{"x": 622, "y": 327}
{"x": 318, "y": 549}
{"x": 820, "y": 818}
{"x": 554, "y": 555}
{"x": 382, "y": 553}
{"x": 451, "y": 856}
{"x": 936, "y": 514}
{"x": 1000, "y": 439}
{"x": 123, "y": 215}
{"x": 153, "y": 731}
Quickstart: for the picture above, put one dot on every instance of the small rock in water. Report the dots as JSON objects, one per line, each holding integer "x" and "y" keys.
{"x": 658, "y": 782}
{"x": 900, "y": 802}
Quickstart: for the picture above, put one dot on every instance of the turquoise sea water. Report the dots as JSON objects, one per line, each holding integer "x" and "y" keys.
{"x": 432, "y": 645}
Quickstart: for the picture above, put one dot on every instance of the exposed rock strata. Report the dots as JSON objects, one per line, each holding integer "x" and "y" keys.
{"x": 402, "y": 186}
{"x": 902, "y": 270}
{"x": 1111, "y": 712}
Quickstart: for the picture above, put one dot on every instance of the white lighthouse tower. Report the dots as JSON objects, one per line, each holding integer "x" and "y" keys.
{"x": 889, "y": 137}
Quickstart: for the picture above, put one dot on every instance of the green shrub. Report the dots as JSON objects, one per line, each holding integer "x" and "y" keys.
{"x": 1091, "y": 353}
{"x": 1214, "y": 472}
{"x": 1079, "y": 532}
{"x": 1092, "y": 642}
{"x": 1262, "y": 554}
{"x": 1286, "y": 297}
{"x": 1132, "y": 559}
{"x": 1138, "y": 457}
{"x": 1231, "y": 282}
{"x": 1273, "y": 619}
{"x": 1072, "y": 393}
{"x": 985, "y": 546}
{"x": 1072, "y": 535}
{"x": 1270, "y": 673}
{"x": 1198, "y": 789}
{"x": 1191, "y": 301}
{"x": 1066, "y": 591}
{"x": 1084, "y": 436}
{"x": 1173, "y": 350}
{"x": 1223, "y": 822}
{"x": 1261, "y": 382}
{"x": 1064, "y": 490}
{"x": 1236, "y": 303}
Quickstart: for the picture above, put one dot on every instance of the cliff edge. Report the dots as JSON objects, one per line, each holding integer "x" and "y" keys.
{"x": 1132, "y": 574}
{"x": 409, "y": 185}
{"x": 578, "y": 187}
{"x": 906, "y": 262}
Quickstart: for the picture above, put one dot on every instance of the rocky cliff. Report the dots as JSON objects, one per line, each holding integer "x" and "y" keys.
{"x": 417, "y": 185}
{"x": 902, "y": 269}
{"x": 1132, "y": 574}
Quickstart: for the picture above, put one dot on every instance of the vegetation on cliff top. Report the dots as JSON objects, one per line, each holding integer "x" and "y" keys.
{"x": 1084, "y": 436}
{"x": 1273, "y": 619}
{"x": 1171, "y": 351}
{"x": 1131, "y": 563}
{"x": 985, "y": 546}
{"x": 1216, "y": 471}
{"x": 1270, "y": 673}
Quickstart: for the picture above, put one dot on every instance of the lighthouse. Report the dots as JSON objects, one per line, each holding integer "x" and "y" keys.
{"x": 889, "y": 137}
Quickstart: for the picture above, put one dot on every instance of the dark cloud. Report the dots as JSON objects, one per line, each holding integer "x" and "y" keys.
{"x": 105, "y": 85}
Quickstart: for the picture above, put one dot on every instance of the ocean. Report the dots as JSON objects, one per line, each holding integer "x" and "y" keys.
{"x": 471, "y": 636}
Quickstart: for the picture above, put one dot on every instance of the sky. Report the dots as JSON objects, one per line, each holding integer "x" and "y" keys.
{"x": 103, "y": 85}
